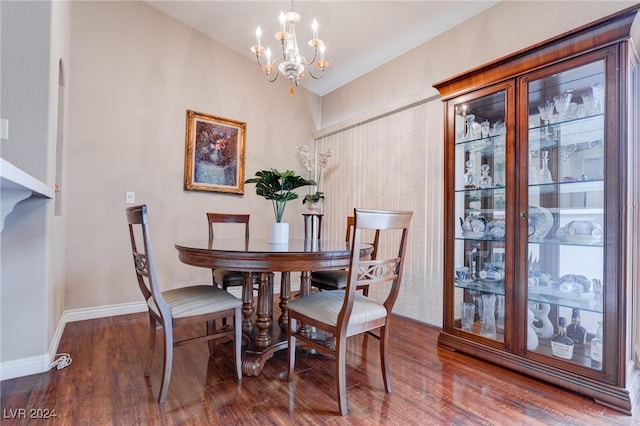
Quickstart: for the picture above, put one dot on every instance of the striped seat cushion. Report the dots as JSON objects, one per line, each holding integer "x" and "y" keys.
{"x": 196, "y": 300}
{"x": 324, "y": 306}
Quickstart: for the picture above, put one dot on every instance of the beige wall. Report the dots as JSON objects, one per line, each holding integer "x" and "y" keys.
{"x": 134, "y": 72}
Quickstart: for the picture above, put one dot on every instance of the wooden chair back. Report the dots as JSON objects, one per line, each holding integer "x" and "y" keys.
{"x": 375, "y": 271}
{"x": 143, "y": 258}
{"x": 214, "y": 218}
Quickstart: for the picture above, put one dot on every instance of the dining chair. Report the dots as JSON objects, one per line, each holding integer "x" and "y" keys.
{"x": 337, "y": 279}
{"x": 225, "y": 279}
{"x": 346, "y": 313}
{"x": 222, "y": 278}
{"x": 179, "y": 306}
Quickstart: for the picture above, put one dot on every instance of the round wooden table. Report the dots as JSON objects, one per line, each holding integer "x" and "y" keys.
{"x": 258, "y": 255}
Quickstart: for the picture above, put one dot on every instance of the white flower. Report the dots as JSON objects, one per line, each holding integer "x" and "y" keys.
{"x": 304, "y": 152}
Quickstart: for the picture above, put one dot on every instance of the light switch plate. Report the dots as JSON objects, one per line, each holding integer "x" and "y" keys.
{"x": 130, "y": 197}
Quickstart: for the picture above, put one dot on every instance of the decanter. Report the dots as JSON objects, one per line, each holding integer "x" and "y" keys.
{"x": 470, "y": 179}
{"x": 561, "y": 344}
{"x": 544, "y": 176}
{"x": 485, "y": 180}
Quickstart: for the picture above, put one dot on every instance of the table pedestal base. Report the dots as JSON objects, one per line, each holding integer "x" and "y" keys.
{"x": 255, "y": 356}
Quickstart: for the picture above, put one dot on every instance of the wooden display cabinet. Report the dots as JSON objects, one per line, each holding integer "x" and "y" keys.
{"x": 541, "y": 211}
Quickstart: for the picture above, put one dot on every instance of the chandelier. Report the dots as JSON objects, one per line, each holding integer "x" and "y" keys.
{"x": 291, "y": 64}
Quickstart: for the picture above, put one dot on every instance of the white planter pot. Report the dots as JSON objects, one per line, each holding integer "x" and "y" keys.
{"x": 278, "y": 233}
{"x": 315, "y": 206}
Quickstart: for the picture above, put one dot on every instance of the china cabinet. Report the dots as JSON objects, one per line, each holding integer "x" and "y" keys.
{"x": 541, "y": 211}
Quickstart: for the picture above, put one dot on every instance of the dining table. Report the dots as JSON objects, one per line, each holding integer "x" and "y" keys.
{"x": 255, "y": 255}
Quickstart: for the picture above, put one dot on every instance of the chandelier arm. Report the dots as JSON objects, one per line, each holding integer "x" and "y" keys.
{"x": 271, "y": 80}
{"x": 316, "y": 77}
{"x": 267, "y": 69}
{"x": 312, "y": 61}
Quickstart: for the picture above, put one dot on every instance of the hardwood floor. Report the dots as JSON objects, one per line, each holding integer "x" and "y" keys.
{"x": 105, "y": 385}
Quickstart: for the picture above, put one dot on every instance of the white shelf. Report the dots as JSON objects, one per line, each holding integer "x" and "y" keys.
{"x": 17, "y": 185}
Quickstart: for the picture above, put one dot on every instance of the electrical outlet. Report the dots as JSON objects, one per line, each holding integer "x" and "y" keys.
{"x": 130, "y": 197}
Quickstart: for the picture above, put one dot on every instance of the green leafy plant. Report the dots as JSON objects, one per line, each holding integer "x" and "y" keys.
{"x": 278, "y": 187}
{"x": 313, "y": 198}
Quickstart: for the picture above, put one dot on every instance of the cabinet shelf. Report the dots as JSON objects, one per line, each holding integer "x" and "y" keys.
{"x": 568, "y": 187}
{"x": 586, "y": 301}
{"x": 496, "y": 287}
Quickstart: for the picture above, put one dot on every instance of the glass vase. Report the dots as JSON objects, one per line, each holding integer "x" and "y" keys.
{"x": 488, "y": 328}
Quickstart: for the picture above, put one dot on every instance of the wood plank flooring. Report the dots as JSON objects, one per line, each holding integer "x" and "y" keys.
{"x": 105, "y": 385}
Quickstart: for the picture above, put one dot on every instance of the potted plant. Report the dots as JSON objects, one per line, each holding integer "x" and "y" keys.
{"x": 314, "y": 201}
{"x": 279, "y": 188}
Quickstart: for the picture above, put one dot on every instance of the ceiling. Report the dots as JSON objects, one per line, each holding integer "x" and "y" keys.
{"x": 359, "y": 35}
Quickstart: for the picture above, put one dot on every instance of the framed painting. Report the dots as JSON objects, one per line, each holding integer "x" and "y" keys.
{"x": 214, "y": 154}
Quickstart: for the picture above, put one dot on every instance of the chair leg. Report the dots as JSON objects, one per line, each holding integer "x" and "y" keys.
{"x": 292, "y": 324}
{"x": 341, "y": 373}
{"x": 384, "y": 358}
{"x": 152, "y": 345}
{"x": 168, "y": 361}
{"x": 237, "y": 341}
{"x": 211, "y": 328}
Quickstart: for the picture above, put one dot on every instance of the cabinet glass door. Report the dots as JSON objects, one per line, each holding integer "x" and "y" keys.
{"x": 479, "y": 208}
{"x": 566, "y": 199}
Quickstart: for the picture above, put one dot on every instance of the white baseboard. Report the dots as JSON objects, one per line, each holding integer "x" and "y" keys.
{"x": 42, "y": 363}
{"x": 24, "y": 366}
{"x": 102, "y": 312}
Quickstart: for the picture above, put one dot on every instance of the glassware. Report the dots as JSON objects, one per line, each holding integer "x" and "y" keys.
{"x": 500, "y": 313}
{"x": 544, "y": 176}
{"x": 533, "y": 169}
{"x": 470, "y": 179}
{"x": 546, "y": 111}
{"x": 488, "y": 328}
{"x": 590, "y": 103}
{"x": 470, "y": 120}
{"x": 562, "y": 104}
{"x": 485, "y": 180}
{"x": 485, "y": 127}
{"x": 598, "y": 94}
{"x": 596, "y": 348}
{"x": 468, "y": 315}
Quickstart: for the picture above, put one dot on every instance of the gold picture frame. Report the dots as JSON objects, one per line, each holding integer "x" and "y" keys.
{"x": 214, "y": 154}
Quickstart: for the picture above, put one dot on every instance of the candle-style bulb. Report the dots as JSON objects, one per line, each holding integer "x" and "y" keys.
{"x": 314, "y": 26}
{"x": 282, "y": 20}
{"x": 258, "y": 35}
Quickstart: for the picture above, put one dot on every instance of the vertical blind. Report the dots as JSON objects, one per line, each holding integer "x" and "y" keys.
{"x": 394, "y": 162}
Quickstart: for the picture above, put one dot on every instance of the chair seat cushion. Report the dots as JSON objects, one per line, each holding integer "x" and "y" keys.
{"x": 331, "y": 279}
{"x": 325, "y": 306}
{"x": 197, "y": 300}
{"x": 227, "y": 278}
